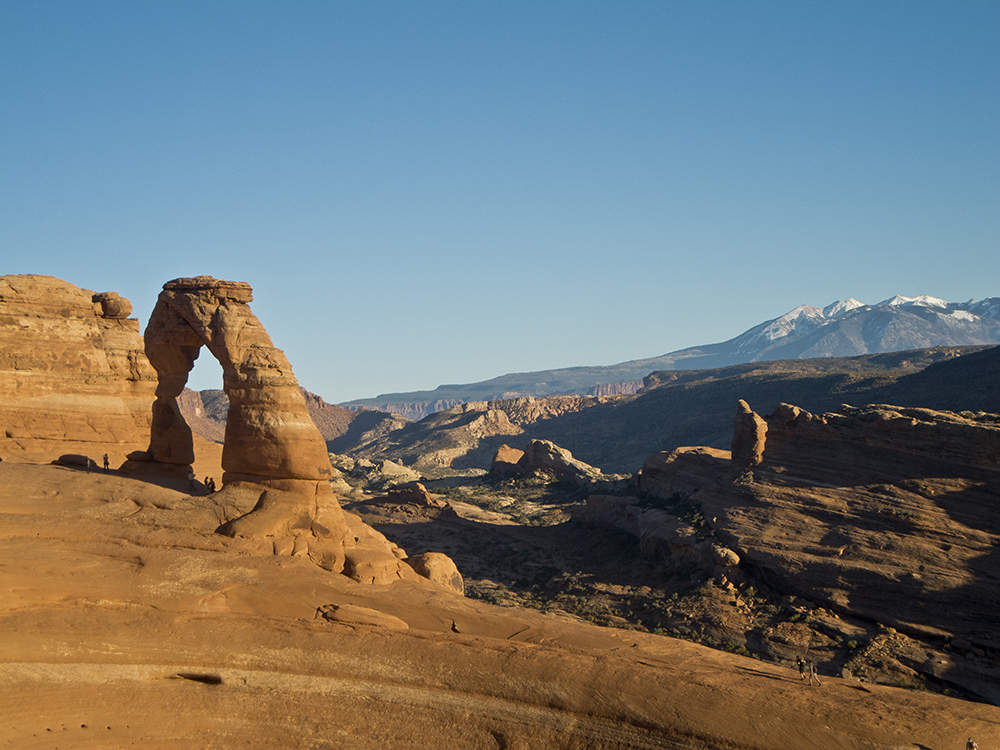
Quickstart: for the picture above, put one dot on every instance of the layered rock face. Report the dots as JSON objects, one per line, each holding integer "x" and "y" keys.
{"x": 206, "y": 411}
{"x": 883, "y": 513}
{"x": 73, "y": 375}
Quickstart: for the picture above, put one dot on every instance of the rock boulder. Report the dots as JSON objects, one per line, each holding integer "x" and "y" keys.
{"x": 547, "y": 458}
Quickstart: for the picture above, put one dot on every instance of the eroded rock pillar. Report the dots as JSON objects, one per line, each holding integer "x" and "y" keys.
{"x": 749, "y": 438}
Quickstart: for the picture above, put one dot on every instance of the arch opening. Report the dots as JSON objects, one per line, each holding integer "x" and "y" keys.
{"x": 269, "y": 434}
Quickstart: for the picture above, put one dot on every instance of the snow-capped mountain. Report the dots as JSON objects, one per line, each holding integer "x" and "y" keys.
{"x": 850, "y": 328}
{"x": 845, "y": 328}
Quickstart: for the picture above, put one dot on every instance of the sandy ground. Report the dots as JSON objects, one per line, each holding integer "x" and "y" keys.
{"x": 126, "y": 622}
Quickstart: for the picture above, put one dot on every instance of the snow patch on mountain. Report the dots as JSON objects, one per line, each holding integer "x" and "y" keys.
{"x": 805, "y": 319}
{"x": 839, "y": 308}
{"x": 922, "y": 300}
{"x": 799, "y": 319}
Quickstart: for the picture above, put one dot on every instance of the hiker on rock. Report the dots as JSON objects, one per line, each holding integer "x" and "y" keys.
{"x": 970, "y": 745}
{"x": 107, "y": 463}
{"x": 802, "y": 668}
{"x": 813, "y": 674}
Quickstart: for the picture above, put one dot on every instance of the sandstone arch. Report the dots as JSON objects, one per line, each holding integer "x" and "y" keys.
{"x": 271, "y": 441}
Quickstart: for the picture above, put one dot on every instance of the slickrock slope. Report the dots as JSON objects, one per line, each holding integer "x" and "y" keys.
{"x": 73, "y": 376}
{"x": 127, "y": 621}
{"x": 883, "y": 513}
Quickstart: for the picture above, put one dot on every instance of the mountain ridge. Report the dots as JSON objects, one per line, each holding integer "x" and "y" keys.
{"x": 841, "y": 329}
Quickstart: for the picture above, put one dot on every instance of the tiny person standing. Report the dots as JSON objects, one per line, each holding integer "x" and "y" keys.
{"x": 813, "y": 674}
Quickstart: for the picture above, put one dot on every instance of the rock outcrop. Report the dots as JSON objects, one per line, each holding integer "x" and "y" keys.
{"x": 269, "y": 434}
{"x": 887, "y": 514}
{"x": 659, "y": 533}
{"x": 749, "y": 438}
{"x": 438, "y": 568}
{"x": 505, "y": 463}
{"x": 276, "y": 467}
{"x": 683, "y": 471}
{"x": 546, "y": 458}
{"x": 73, "y": 375}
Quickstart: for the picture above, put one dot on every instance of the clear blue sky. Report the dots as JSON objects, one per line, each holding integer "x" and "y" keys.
{"x": 442, "y": 192}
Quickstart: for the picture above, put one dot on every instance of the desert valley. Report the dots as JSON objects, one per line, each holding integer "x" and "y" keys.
{"x": 638, "y": 567}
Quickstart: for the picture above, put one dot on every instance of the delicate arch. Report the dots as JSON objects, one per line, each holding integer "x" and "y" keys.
{"x": 269, "y": 433}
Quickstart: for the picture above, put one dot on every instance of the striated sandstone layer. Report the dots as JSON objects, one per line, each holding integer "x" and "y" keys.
{"x": 73, "y": 375}
{"x": 206, "y": 412}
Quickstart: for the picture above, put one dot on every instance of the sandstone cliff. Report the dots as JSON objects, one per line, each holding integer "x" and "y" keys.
{"x": 73, "y": 375}
{"x": 621, "y": 388}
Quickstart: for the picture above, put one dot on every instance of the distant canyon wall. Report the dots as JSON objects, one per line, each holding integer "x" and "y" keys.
{"x": 417, "y": 410}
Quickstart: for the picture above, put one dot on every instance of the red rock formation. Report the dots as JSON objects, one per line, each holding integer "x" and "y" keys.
{"x": 73, "y": 376}
{"x": 683, "y": 471}
{"x": 749, "y": 438}
{"x": 504, "y": 464}
{"x": 545, "y": 457}
{"x": 271, "y": 443}
{"x": 438, "y": 568}
{"x": 269, "y": 434}
{"x": 621, "y": 388}
{"x": 884, "y": 513}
